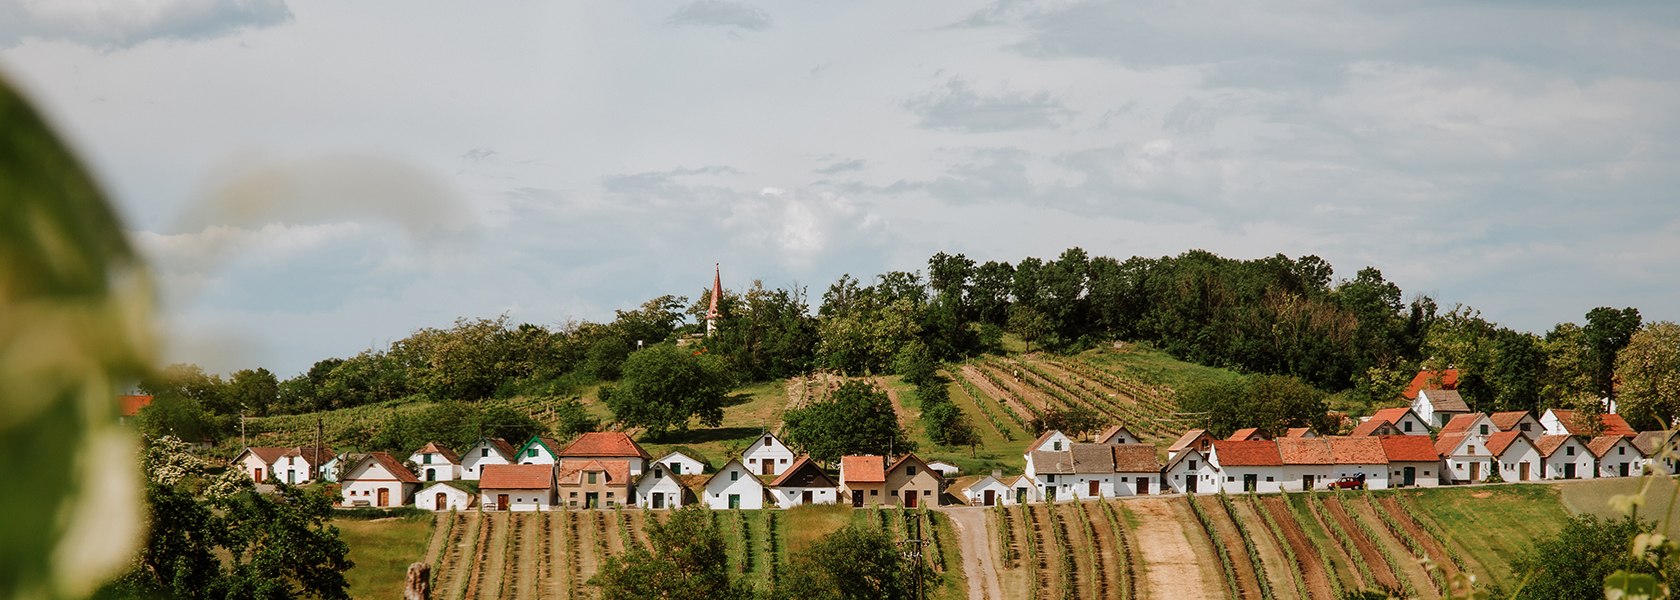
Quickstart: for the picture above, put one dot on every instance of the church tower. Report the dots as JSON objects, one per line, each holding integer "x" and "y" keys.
{"x": 712, "y": 314}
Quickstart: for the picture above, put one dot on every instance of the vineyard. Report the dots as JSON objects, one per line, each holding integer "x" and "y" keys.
{"x": 1007, "y": 393}
{"x": 554, "y": 554}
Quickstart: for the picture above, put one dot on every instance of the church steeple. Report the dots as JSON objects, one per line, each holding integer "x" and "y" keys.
{"x": 712, "y": 314}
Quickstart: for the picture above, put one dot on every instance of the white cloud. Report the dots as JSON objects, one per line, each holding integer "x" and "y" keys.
{"x": 122, "y": 23}
{"x": 719, "y": 13}
{"x": 957, "y": 106}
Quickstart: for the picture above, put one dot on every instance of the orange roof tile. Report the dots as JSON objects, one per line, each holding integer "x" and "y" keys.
{"x": 1499, "y": 442}
{"x": 1358, "y": 451}
{"x": 1613, "y": 423}
{"x": 613, "y": 444}
{"x": 131, "y": 404}
{"x": 1305, "y": 451}
{"x": 1250, "y": 453}
{"x": 571, "y": 470}
{"x": 1246, "y": 433}
{"x": 1601, "y": 445}
{"x": 1393, "y": 415}
{"x": 1445, "y": 379}
{"x": 1461, "y": 423}
{"x": 1370, "y": 427}
{"x": 1448, "y": 442}
{"x": 1508, "y": 419}
{"x": 867, "y": 468}
{"x": 1297, "y": 432}
{"x": 1135, "y": 458}
{"x": 516, "y": 477}
{"x": 1185, "y": 441}
{"x": 1409, "y": 448}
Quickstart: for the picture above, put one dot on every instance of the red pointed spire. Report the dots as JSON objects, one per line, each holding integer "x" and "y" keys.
{"x": 712, "y": 314}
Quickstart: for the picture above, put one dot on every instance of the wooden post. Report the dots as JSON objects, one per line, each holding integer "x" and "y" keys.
{"x": 418, "y": 585}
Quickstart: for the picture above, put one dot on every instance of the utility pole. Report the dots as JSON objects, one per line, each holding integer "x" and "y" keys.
{"x": 914, "y": 544}
{"x": 314, "y": 463}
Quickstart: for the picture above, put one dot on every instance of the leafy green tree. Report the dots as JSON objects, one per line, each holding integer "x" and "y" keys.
{"x": 1607, "y": 331}
{"x": 857, "y": 418}
{"x": 1574, "y": 562}
{"x": 916, "y": 364}
{"x": 763, "y": 334}
{"x": 178, "y": 416}
{"x": 688, "y": 561}
{"x": 665, "y": 387}
{"x": 862, "y": 328}
{"x": 509, "y": 424}
{"x": 1271, "y": 403}
{"x": 1030, "y": 324}
{"x": 1567, "y": 374}
{"x": 1649, "y": 367}
{"x": 258, "y": 389}
{"x": 989, "y": 295}
{"x": 1075, "y": 421}
{"x": 189, "y": 381}
{"x": 855, "y": 562}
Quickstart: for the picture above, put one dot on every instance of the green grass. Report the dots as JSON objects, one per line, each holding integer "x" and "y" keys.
{"x": 1592, "y": 496}
{"x": 382, "y": 550}
{"x": 1492, "y": 525}
{"x": 1145, "y": 363}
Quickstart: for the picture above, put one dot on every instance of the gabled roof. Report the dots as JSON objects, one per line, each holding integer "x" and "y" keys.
{"x": 1092, "y": 458}
{"x": 804, "y": 473}
{"x": 1042, "y": 438}
{"x": 1135, "y": 458}
{"x": 1186, "y": 440}
{"x": 1371, "y": 426}
{"x": 704, "y": 464}
{"x": 1462, "y": 423}
{"x": 1181, "y": 457}
{"x": 1394, "y": 415}
{"x": 1246, "y": 433}
{"x": 571, "y": 470}
{"x": 1358, "y": 451}
{"x": 1650, "y": 443}
{"x": 130, "y": 404}
{"x": 1506, "y": 420}
{"x": 516, "y": 477}
{"x": 1050, "y": 462}
{"x": 392, "y": 466}
{"x": 1409, "y": 448}
{"x": 1445, "y": 379}
{"x": 1601, "y": 445}
{"x": 1498, "y": 443}
{"x": 267, "y": 454}
{"x": 272, "y": 454}
{"x": 1547, "y": 444}
{"x": 1107, "y": 435}
{"x": 1448, "y": 442}
{"x": 1446, "y": 400}
{"x": 911, "y": 456}
{"x": 983, "y": 481}
{"x": 311, "y": 456}
{"x": 867, "y": 468}
{"x": 1572, "y": 422}
{"x": 613, "y": 444}
{"x": 1251, "y": 453}
{"x": 1297, "y": 432}
{"x": 548, "y": 443}
{"x": 439, "y": 449}
{"x": 725, "y": 469}
{"x": 1305, "y": 451}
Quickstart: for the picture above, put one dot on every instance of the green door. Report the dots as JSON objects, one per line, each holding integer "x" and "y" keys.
{"x": 1408, "y": 476}
{"x": 734, "y": 501}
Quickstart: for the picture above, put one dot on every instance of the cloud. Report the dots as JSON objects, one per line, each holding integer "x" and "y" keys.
{"x": 957, "y": 106}
{"x": 842, "y": 166}
{"x": 720, "y": 13}
{"x": 124, "y": 23}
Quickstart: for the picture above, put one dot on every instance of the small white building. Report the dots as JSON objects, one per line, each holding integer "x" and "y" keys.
{"x": 1436, "y": 407}
{"x": 988, "y": 491}
{"x": 1466, "y": 458}
{"x": 1050, "y": 441}
{"x": 945, "y": 469}
{"x": 767, "y": 455}
{"x": 1189, "y": 472}
{"x": 1307, "y": 464}
{"x": 378, "y": 481}
{"x": 434, "y": 462}
{"x": 1519, "y": 459}
{"x": 538, "y": 450}
{"x": 678, "y": 463}
{"x": 661, "y": 487}
{"x": 1566, "y": 457}
{"x": 445, "y": 495}
{"x": 517, "y": 488}
{"x": 1247, "y": 466}
{"x": 1477, "y": 425}
{"x": 1617, "y": 456}
{"x": 1660, "y": 449}
{"x": 1412, "y": 461}
{"x": 733, "y": 486}
{"x": 1023, "y": 490}
{"x": 1051, "y": 473}
{"x": 483, "y": 453}
{"x": 605, "y": 446}
{"x": 1360, "y": 457}
{"x": 1117, "y": 434}
{"x": 1194, "y": 438}
{"x": 1559, "y": 421}
{"x": 294, "y": 465}
{"x": 1138, "y": 469}
{"x": 803, "y": 483}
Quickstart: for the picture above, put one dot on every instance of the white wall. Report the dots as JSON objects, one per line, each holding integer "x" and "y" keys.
{"x": 1207, "y": 478}
{"x": 720, "y": 487}
{"x": 688, "y": 466}
{"x": 473, "y": 463}
{"x": 1621, "y": 453}
{"x": 1231, "y": 478}
{"x": 789, "y": 497}
{"x": 780, "y": 457}
{"x": 667, "y": 485}
{"x": 1428, "y": 473}
{"x": 250, "y": 462}
{"x": 1585, "y": 464}
{"x": 455, "y": 498}
{"x": 440, "y": 466}
{"x": 1517, "y": 454}
{"x": 1294, "y": 477}
{"x": 518, "y": 500}
{"x": 976, "y": 495}
{"x": 1127, "y": 483}
{"x": 368, "y": 491}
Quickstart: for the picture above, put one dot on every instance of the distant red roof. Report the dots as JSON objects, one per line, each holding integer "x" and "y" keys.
{"x": 1305, "y": 451}
{"x": 1409, "y": 448}
{"x": 1297, "y": 432}
{"x": 1358, "y": 451}
{"x": 1372, "y": 426}
{"x": 1461, "y": 423}
{"x": 516, "y": 477}
{"x": 1448, "y": 442}
{"x": 1246, "y": 433}
{"x": 1445, "y": 379}
{"x": 1189, "y": 438}
{"x": 606, "y": 444}
{"x": 1614, "y": 424}
{"x": 394, "y": 466}
{"x": 1392, "y": 415}
{"x": 1508, "y": 419}
{"x": 131, "y": 404}
{"x": 863, "y": 469}
{"x": 1253, "y": 453}
{"x": 1601, "y": 445}
{"x": 1499, "y": 442}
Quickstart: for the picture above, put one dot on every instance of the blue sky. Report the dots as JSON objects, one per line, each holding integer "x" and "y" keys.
{"x": 311, "y": 179}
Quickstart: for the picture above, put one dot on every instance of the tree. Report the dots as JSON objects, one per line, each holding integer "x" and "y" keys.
{"x": 916, "y": 364}
{"x": 688, "y": 561}
{"x": 855, "y": 562}
{"x": 1608, "y": 331}
{"x": 857, "y": 418}
{"x": 1649, "y": 368}
{"x": 178, "y": 416}
{"x": 256, "y": 389}
{"x": 189, "y": 381}
{"x": 945, "y": 422}
{"x": 1075, "y": 421}
{"x": 1271, "y": 403}
{"x": 664, "y": 387}
{"x": 1575, "y": 562}
{"x": 506, "y": 423}
{"x": 1031, "y": 324}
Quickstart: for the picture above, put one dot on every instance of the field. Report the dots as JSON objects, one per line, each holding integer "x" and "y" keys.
{"x": 382, "y": 550}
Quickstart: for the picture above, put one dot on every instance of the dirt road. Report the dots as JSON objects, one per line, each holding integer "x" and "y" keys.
{"x": 1173, "y": 568}
{"x": 978, "y": 560}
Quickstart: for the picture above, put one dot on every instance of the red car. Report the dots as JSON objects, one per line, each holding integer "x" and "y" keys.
{"x": 1357, "y": 482}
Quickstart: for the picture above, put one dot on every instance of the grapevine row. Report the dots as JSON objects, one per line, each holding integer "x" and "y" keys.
{"x": 1248, "y": 547}
{"x": 1128, "y": 581}
{"x": 1064, "y": 565}
{"x": 1330, "y": 524}
{"x": 1323, "y": 553}
{"x": 1288, "y": 549}
{"x": 991, "y": 416}
{"x": 1436, "y": 577}
{"x": 1225, "y": 563}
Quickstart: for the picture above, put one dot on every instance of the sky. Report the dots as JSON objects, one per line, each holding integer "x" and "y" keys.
{"x": 313, "y": 179}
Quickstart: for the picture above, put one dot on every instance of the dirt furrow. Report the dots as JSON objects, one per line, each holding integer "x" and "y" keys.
{"x": 1367, "y": 549}
{"x": 588, "y": 551}
{"x": 1410, "y": 567}
{"x": 457, "y": 564}
{"x": 493, "y": 561}
{"x": 1312, "y": 567}
{"x": 1039, "y": 531}
{"x": 1248, "y": 582}
{"x": 1005, "y": 399}
{"x": 1434, "y": 548}
{"x": 1280, "y": 572}
{"x": 1175, "y": 569}
{"x": 1113, "y": 567}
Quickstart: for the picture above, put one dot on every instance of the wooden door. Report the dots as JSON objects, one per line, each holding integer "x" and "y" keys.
{"x": 1623, "y": 470}
{"x": 1143, "y": 486}
{"x": 767, "y": 466}
{"x": 1522, "y": 471}
{"x": 734, "y": 501}
{"x": 256, "y": 474}
{"x": 1096, "y": 489}
{"x": 440, "y": 502}
{"x": 1306, "y": 482}
{"x": 805, "y": 497}
{"x": 857, "y": 498}
{"x": 1476, "y": 471}
{"x": 1408, "y": 476}
{"x": 384, "y": 497}
{"x": 501, "y": 501}
{"x": 990, "y": 498}
{"x": 1569, "y": 471}
{"x": 1251, "y": 482}
{"x": 1190, "y": 483}
{"x": 910, "y": 497}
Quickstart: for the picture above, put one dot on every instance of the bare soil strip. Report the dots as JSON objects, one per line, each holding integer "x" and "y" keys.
{"x": 969, "y": 523}
{"x": 457, "y": 564}
{"x": 434, "y": 547}
{"x": 494, "y": 566}
{"x": 1367, "y": 550}
{"x": 530, "y": 556}
{"x": 1044, "y": 566}
{"x": 1434, "y": 548}
{"x": 1248, "y": 582}
{"x": 1108, "y": 552}
{"x": 892, "y": 396}
{"x": 1175, "y": 570}
{"x": 588, "y": 552}
{"x": 1280, "y": 572}
{"x": 1410, "y": 568}
{"x": 974, "y": 376}
{"x": 1312, "y": 567}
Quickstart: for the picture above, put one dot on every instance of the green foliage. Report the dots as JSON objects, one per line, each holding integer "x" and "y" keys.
{"x": 687, "y": 562}
{"x": 664, "y": 387}
{"x": 861, "y": 328}
{"x": 178, "y": 416}
{"x": 916, "y": 364}
{"x": 255, "y": 389}
{"x": 1649, "y": 369}
{"x": 856, "y": 419}
{"x": 457, "y": 425}
{"x": 1607, "y": 331}
{"x": 855, "y": 562}
{"x": 945, "y": 422}
{"x": 762, "y": 334}
{"x": 1576, "y": 562}
{"x": 1075, "y": 421}
{"x": 1272, "y": 403}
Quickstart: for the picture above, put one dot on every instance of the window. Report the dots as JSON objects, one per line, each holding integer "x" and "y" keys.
{"x": 1524, "y": 426}
{"x": 1125, "y": 479}
{"x": 659, "y": 473}
{"x": 427, "y": 459}
{"x": 874, "y": 492}
{"x": 1407, "y": 425}
{"x": 1569, "y": 451}
{"x": 1484, "y": 429}
{"x": 1050, "y": 478}
{"x": 574, "y": 494}
{"x": 1192, "y": 465}
{"x": 734, "y": 475}
{"x": 910, "y": 470}
{"x": 531, "y": 453}
{"x": 784, "y": 461}
{"x": 1057, "y": 446}
{"x": 1268, "y": 479}
{"x": 927, "y": 492}
{"x": 592, "y": 476}
{"x": 767, "y": 440}
{"x": 676, "y": 468}
{"x": 1621, "y": 451}
{"x": 609, "y": 495}
{"x": 895, "y": 492}
{"x": 483, "y": 452}
{"x": 1426, "y": 473}
{"x": 1229, "y": 479}
{"x": 1472, "y": 448}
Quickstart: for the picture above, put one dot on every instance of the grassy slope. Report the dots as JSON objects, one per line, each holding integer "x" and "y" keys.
{"x": 1492, "y": 525}
{"x": 382, "y": 550}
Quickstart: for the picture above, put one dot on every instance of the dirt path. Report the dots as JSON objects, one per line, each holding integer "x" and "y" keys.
{"x": 1367, "y": 549}
{"x": 440, "y": 525}
{"x": 492, "y": 565}
{"x": 1174, "y": 570}
{"x": 1432, "y": 547}
{"x": 1312, "y": 567}
{"x": 588, "y": 551}
{"x": 1248, "y": 582}
{"x": 1280, "y": 572}
{"x": 979, "y": 562}
{"x": 1113, "y": 582}
{"x": 892, "y": 396}
{"x": 457, "y": 566}
{"x": 1003, "y": 398}
{"x": 531, "y": 556}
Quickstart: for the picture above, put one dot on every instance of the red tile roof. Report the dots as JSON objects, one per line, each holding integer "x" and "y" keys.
{"x": 1246, "y": 433}
{"x": 1507, "y": 420}
{"x": 1297, "y": 432}
{"x": 1136, "y": 458}
{"x": 1461, "y": 423}
{"x": 1613, "y": 423}
{"x": 267, "y": 454}
{"x": 516, "y": 477}
{"x": 131, "y": 404}
{"x": 868, "y": 468}
{"x": 614, "y": 444}
{"x": 1358, "y": 451}
{"x": 1305, "y": 451}
{"x": 394, "y": 466}
{"x": 804, "y": 473}
{"x": 1448, "y": 442}
{"x": 1371, "y": 426}
{"x": 1446, "y": 379}
{"x": 571, "y": 470}
{"x": 1409, "y": 448}
{"x": 1547, "y": 444}
{"x": 1499, "y": 442}
{"x": 1252, "y": 453}
{"x": 1185, "y": 441}
{"x": 1601, "y": 445}
{"x": 1393, "y": 415}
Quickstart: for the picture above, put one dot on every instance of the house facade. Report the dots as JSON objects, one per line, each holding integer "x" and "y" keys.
{"x": 768, "y": 455}
{"x": 863, "y": 480}
{"x": 1116, "y": 434}
{"x": 804, "y": 482}
{"x": 1190, "y": 472}
{"x": 1566, "y": 457}
{"x": 378, "y": 480}
{"x": 1466, "y": 458}
{"x": 444, "y": 496}
{"x": 435, "y": 462}
{"x": 1519, "y": 459}
{"x": 1307, "y": 464}
{"x": 1404, "y": 419}
{"x": 989, "y": 490}
{"x": 1194, "y": 438}
{"x": 1247, "y": 466}
{"x": 1360, "y": 457}
{"x": 677, "y": 463}
{"x": 294, "y": 465}
{"x": 661, "y": 487}
{"x": 734, "y": 486}
{"x": 608, "y": 446}
{"x": 593, "y": 483}
{"x": 1617, "y": 456}
{"x": 1474, "y": 424}
{"x": 539, "y": 450}
{"x": 1412, "y": 461}
{"x": 483, "y": 453}
{"x": 1518, "y": 420}
{"x": 910, "y": 483}
{"x": 517, "y": 488}
{"x": 1437, "y": 406}
{"x": 1138, "y": 470}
